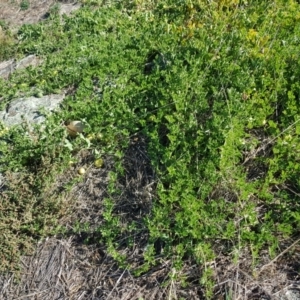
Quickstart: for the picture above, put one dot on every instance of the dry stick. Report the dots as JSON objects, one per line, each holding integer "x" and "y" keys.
{"x": 253, "y": 281}
{"x": 6, "y": 285}
{"x": 62, "y": 263}
{"x": 32, "y": 294}
{"x": 233, "y": 282}
{"x": 116, "y": 284}
{"x": 286, "y": 187}
{"x": 283, "y": 252}
{"x": 237, "y": 269}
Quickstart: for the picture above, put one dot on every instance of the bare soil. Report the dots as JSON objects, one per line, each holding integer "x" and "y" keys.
{"x": 12, "y": 12}
{"x": 18, "y": 12}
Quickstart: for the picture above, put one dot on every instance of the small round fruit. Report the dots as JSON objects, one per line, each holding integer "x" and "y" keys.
{"x": 81, "y": 171}
{"x": 99, "y": 136}
{"x": 98, "y": 163}
{"x": 91, "y": 137}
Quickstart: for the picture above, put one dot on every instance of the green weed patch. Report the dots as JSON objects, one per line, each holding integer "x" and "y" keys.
{"x": 214, "y": 88}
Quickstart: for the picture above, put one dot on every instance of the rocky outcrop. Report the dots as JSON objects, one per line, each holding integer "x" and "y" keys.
{"x": 7, "y": 67}
{"x": 29, "y": 109}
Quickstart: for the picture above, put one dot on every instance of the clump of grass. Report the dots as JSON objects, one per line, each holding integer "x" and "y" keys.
{"x": 6, "y": 42}
{"x": 24, "y": 5}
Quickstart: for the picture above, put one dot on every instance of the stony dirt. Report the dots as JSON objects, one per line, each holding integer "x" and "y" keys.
{"x": 15, "y": 14}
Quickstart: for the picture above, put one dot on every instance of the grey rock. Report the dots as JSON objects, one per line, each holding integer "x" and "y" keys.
{"x": 30, "y": 60}
{"x": 68, "y": 8}
{"x": 29, "y": 109}
{"x": 7, "y": 67}
{"x": 292, "y": 294}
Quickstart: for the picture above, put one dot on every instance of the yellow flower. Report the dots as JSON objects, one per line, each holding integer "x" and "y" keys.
{"x": 252, "y": 34}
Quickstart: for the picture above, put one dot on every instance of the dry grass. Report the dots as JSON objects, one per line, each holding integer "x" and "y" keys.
{"x": 268, "y": 280}
{"x": 66, "y": 269}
